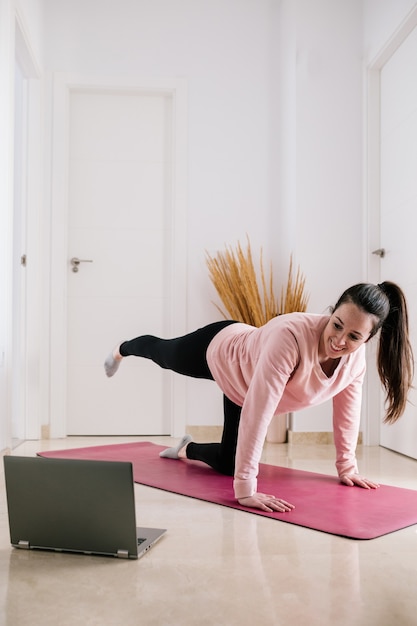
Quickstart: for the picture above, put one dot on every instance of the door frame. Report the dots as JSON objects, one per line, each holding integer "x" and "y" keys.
{"x": 372, "y": 203}
{"x": 27, "y": 366}
{"x": 62, "y": 84}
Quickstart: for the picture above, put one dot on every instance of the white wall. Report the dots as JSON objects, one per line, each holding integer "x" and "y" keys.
{"x": 6, "y": 186}
{"x": 223, "y": 50}
{"x": 301, "y": 194}
{"x": 30, "y": 13}
{"x": 383, "y": 25}
{"x": 227, "y": 50}
{"x": 381, "y": 18}
{"x": 335, "y": 42}
{"x": 275, "y": 124}
{"x": 326, "y": 119}
{"x": 30, "y": 23}
{"x": 329, "y": 146}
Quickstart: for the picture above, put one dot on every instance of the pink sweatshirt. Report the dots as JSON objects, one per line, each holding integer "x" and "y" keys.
{"x": 275, "y": 369}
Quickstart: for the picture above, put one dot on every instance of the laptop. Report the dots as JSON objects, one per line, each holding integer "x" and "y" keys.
{"x": 78, "y": 506}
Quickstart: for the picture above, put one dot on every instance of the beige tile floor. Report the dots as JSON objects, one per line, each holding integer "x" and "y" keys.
{"x": 220, "y": 567}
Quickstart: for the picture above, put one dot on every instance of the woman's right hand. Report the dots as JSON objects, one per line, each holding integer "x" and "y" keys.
{"x": 267, "y": 503}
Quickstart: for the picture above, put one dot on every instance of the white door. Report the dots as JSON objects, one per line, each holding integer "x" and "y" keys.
{"x": 399, "y": 207}
{"x": 119, "y": 226}
{"x": 19, "y": 353}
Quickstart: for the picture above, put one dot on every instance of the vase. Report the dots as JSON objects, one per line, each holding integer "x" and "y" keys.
{"x": 277, "y": 429}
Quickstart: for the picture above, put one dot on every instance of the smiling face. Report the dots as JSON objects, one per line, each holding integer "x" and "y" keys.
{"x": 347, "y": 329}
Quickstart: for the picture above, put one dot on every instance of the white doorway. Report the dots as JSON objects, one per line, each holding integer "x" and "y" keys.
{"x": 19, "y": 352}
{"x": 26, "y": 243}
{"x": 119, "y": 226}
{"x": 398, "y": 206}
{"x": 118, "y": 206}
{"x": 393, "y": 199}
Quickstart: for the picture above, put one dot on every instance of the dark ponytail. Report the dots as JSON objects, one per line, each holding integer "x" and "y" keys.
{"x": 387, "y": 303}
{"x": 395, "y": 354}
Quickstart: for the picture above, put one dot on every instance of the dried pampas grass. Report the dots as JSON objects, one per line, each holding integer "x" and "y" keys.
{"x": 293, "y": 298}
{"x": 234, "y": 276}
{"x": 236, "y": 280}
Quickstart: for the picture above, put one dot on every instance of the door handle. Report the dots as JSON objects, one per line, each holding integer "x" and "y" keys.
{"x": 75, "y": 262}
{"x": 381, "y": 252}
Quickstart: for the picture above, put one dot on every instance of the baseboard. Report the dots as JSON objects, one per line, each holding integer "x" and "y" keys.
{"x": 205, "y": 433}
{"x": 317, "y": 438}
{"x": 214, "y": 434}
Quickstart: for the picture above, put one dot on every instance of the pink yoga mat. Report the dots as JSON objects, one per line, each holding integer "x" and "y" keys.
{"x": 322, "y": 502}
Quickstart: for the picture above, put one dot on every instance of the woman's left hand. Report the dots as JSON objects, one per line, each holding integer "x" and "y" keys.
{"x": 354, "y": 479}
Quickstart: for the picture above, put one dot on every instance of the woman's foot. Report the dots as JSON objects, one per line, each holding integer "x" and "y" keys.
{"x": 111, "y": 364}
{"x": 179, "y": 451}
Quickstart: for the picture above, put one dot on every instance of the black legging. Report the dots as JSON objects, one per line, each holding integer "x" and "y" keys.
{"x": 187, "y": 355}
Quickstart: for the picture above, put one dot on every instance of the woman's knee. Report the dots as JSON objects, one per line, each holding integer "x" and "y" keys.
{"x": 227, "y": 467}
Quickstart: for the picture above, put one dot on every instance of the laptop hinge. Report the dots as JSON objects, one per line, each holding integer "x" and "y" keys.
{"x": 123, "y": 554}
{"x": 24, "y": 544}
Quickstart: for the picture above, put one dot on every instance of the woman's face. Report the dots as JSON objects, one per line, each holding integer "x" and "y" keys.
{"x": 347, "y": 329}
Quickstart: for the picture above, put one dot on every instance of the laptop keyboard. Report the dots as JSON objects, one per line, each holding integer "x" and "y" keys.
{"x": 140, "y": 541}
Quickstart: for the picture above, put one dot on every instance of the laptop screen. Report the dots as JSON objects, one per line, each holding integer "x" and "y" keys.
{"x": 75, "y": 505}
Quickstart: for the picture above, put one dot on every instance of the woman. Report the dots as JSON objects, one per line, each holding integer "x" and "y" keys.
{"x": 292, "y": 362}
